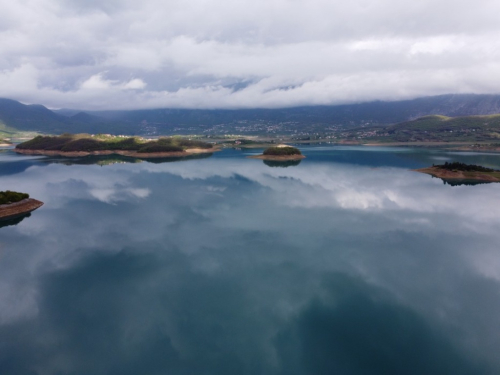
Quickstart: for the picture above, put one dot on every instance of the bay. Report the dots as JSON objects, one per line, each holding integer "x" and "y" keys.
{"x": 345, "y": 263}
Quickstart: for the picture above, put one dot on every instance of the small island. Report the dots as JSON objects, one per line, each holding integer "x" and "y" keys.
{"x": 73, "y": 145}
{"x": 280, "y": 153}
{"x": 14, "y": 204}
{"x": 462, "y": 171}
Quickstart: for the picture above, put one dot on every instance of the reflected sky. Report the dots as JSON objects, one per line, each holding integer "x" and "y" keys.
{"x": 346, "y": 263}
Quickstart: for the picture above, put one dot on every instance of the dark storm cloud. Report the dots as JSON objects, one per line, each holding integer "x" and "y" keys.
{"x": 129, "y": 54}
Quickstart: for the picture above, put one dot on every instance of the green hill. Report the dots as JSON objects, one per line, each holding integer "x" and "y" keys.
{"x": 434, "y": 128}
{"x": 16, "y": 117}
{"x": 20, "y": 117}
{"x": 442, "y": 128}
{"x": 444, "y": 123}
{"x": 297, "y": 121}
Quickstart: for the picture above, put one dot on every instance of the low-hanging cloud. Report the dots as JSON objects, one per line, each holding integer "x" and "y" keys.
{"x": 221, "y": 54}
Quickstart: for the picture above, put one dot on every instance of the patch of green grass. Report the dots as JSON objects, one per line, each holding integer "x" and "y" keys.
{"x": 13, "y": 134}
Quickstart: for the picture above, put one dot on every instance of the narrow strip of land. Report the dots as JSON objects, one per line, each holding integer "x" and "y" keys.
{"x": 25, "y": 206}
{"x": 461, "y": 171}
{"x": 74, "y": 145}
{"x": 167, "y": 154}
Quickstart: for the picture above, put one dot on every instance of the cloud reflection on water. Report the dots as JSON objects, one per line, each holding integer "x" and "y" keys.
{"x": 229, "y": 266}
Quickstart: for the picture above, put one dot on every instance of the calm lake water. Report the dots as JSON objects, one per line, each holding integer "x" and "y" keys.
{"x": 347, "y": 263}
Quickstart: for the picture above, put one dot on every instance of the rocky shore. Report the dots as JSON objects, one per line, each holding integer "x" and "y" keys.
{"x": 458, "y": 175}
{"x": 8, "y": 211}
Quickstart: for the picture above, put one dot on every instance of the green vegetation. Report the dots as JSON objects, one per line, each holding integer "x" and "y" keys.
{"x": 12, "y": 133}
{"x": 456, "y": 166}
{"x": 246, "y": 142}
{"x": 279, "y": 151}
{"x": 432, "y": 129}
{"x": 442, "y": 128}
{"x": 6, "y": 131}
{"x": 85, "y": 142}
{"x": 8, "y": 197}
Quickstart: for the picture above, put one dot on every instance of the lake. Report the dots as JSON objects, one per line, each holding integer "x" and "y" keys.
{"x": 345, "y": 263}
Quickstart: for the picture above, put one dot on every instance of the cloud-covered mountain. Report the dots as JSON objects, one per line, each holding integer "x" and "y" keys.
{"x": 189, "y": 121}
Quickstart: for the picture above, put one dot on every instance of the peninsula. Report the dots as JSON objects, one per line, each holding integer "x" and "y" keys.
{"x": 72, "y": 145}
{"x": 462, "y": 171}
{"x": 13, "y": 204}
{"x": 280, "y": 153}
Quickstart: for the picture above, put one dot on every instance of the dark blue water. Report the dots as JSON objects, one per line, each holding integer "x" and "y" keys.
{"x": 347, "y": 263}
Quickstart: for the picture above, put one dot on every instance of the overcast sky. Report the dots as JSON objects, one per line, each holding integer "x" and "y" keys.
{"x": 124, "y": 54}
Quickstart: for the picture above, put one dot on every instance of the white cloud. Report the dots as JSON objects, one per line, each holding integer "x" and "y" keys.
{"x": 96, "y": 82}
{"x": 124, "y": 54}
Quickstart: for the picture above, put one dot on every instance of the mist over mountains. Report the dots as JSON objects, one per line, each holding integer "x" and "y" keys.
{"x": 166, "y": 121}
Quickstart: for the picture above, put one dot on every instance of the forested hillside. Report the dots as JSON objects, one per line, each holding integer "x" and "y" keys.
{"x": 297, "y": 120}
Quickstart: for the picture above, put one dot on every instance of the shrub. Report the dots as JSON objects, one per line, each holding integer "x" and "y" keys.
{"x": 457, "y": 166}
{"x": 161, "y": 145}
{"x": 124, "y": 144}
{"x": 83, "y": 144}
{"x": 282, "y": 151}
{"x": 7, "y": 197}
{"x": 193, "y": 144}
{"x": 44, "y": 143}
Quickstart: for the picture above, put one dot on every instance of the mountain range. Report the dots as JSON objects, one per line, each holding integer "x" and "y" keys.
{"x": 21, "y": 117}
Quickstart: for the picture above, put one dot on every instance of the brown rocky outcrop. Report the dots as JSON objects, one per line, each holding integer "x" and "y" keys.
{"x": 8, "y": 211}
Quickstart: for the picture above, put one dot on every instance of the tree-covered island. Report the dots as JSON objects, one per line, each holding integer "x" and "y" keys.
{"x": 462, "y": 171}
{"x": 14, "y": 204}
{"x": 280, "y": 153}
{"x": 86, "y": 144}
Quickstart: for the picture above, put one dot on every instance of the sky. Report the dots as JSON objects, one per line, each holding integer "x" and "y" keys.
{"x": 123, "y": 54}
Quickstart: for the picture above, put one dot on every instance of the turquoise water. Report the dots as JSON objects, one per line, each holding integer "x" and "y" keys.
{"x": 347, "y": 263}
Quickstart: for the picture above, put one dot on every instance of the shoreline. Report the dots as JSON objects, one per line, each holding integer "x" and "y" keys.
{"x": 277, "y": 157}
{"x": 417, "y": 143}
{"x": 12, "y": 210}
{"x": 477, "y": 149}
{"x": 457, "y": 175}
{"x": 455, "y": 146}
{"x": 135, "y": 154}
